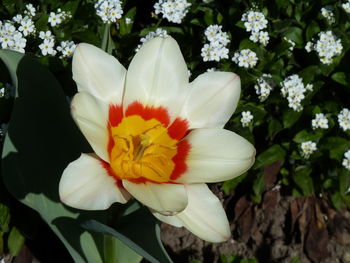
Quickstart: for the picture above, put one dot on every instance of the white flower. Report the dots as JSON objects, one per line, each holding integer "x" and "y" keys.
{"x": 109, "y": 10}
{"x": 264, "y": 86}
{"x": 245, "y": 58}
{"x": 346, "y": 160}
{"x": 66, "y": 48}
{"x": 307, "y": 148}
{"x": 173, "y": 10}
{"x": 128, "y": 21}
{"x": 328, "y": 14}
{"x": 254, "y": 21}
{"x": 56, "y": 19}
{"x": 46, "y": 35}
{"x": 218, "y": 40}
{"x": 327, "y": 47}
{"x": 27, "y": 26}
{"x": 291, "y": 42}
{"x": 346, "y": 6}
{"x": 246, "y": 118}
{"x": 344, "y": 119}
{"x": 30, "y": 10}
{"x": 264, "y": 38}
{"x": 47, "y": 47}
{"x": 320, "y": 121}
{"x": 211, "y": 69}
{"x": 309, "y": 47}
{"x": 154, "y": 138}
{"x": 294, "y": 90}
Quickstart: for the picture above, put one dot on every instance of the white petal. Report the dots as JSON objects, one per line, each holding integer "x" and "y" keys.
{"x": 164, "y": 198}
{"x": 157, "y": 76}
{"x": 212, "y": 99}
{"x": 216, "y": 155}
{"x": 171, "y": 220}
{"x": 98, "y": 73}
{"x": 85, "y": 184}
{"x": 91, "y": 115}
{"x": 204, "y": 215}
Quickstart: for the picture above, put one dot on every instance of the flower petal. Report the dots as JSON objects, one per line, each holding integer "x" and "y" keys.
{"x": 164, "y": 198}
{"x": 212, "y": 99}
{"x": 216, "y": 155}
{"x": 98, "y": 73}
{"x": 158, "y": 76}
{"x": 171, "y": 220}
{"x": 204, "y": 215}
{"x": 85, "y": 184}
{"x": 91, "y": 115}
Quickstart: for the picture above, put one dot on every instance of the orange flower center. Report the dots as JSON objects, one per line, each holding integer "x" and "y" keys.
{"x": 143, "y": 147}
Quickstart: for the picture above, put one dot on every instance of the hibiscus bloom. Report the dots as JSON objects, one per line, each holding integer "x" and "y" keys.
{"x": 156, "y": 137}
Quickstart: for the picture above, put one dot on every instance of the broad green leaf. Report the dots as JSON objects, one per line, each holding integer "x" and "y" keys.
{"x": 258, "y": 188}
{"x": 15, "y": 241}
{"x": 230, "y": 185}
{"x": 274, "y": 127}
{"x": 337, "y": 146}
{"x": 116, "y": 251}
{"x": 342, "y": 78}
{"x": 290, "y": 117}
{"x": 304, "y": 136}
{"x": 312, "y": 29}
{"x": 139, "y": 230}
{"x": 304, "y": 181}
{"x": 272, "y": 154}
{"x": 295, "y": 34}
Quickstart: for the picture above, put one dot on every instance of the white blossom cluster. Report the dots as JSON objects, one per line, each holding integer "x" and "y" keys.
{"x": 246, "y": 118}
{"x": 47, "y": 47}
{"x": 344, "y": 119}
{"x": 320, "y": 121}
{"x": 66, "y": 48}
{"x": 255, "y": 22}
{"x": 307, "y": 148}
{"x": 293, "y": 89}
{"x": 109, "y": 10}
{"x": 57, "y": 18}
{"x": 327, "y": 13}
{"x": 291, "y": 42}
{"x": 327, "y": 46}
{"x": 245, "y": 58}
{"x": 346, "y": 6}
{"x": 264, "y": 86}
{"x": 158, "y": 33}
{"x": 13, "y": 33}
{"x": 346, "y": 160}
{"x": 218, "y": 40}
{"x": 173, "y": 10}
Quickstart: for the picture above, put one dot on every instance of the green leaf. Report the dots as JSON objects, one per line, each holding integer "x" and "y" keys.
{"x": 143, "y": 238}
{"x": 312, "y": 29}
{"x": 295, "y": 34}
{"x": 344, "y": 181}
{"x": 303, "y": 180}
{"x": 272, "y": 154}
{"x": 4, "y": 218}
{"x": 342, "y": 78}
{"x": 15, "y": 241}
{"x": 229, "y": 185}
{"x": 290, "y": 117}
{"x": 337, "y": 146}
{"x": 304, "y": 136}
{"x": 258, "y": 188}
{"x": 274, "y": 127}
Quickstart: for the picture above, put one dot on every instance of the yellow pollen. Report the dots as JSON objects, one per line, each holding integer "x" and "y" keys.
{"x": 142, "y": 150}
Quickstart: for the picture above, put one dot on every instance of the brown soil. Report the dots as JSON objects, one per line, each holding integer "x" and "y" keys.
{"x": 276, "y": 230}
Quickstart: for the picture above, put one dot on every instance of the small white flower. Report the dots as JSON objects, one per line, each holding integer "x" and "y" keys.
{"x": 320, "y": 121}
{"x": 328, "y": 14}
{"x": 246, "y": 118}
{"x": 173, "y": 10}
{"x": 307, "y": 148}
{"x": 344, "y": 119}
{"x": 128, "y": 21}
{"x": 30, "y": 10}
{"x": 309, "y": 47}
{"x": 158, "y": 33}
{"x": 327, "y": 47}
{"x": 346, "y": 6}
{"x": 346, "y": 160}
{"x": 47, "y": 47}
{"x": 294, "y": 90}
{"x": 66, "y": 48}
{"x": 218, "y": 40}
{"x": 291, "y": 42}
{"x": 264, "y": 86}
{"x": 245, "y": 58}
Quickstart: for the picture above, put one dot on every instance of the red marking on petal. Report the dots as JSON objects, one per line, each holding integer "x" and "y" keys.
{"x": 111, "y": 173}
{"x": 148, "y": 112}
{"x": 183, "y": 149}
{"x": 115, "y": 115}
{"x": 178, "y": 129}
